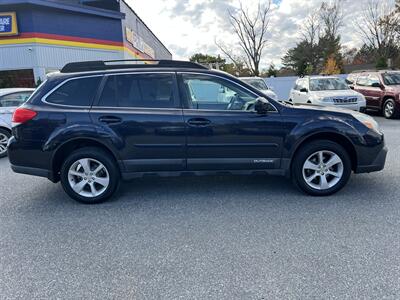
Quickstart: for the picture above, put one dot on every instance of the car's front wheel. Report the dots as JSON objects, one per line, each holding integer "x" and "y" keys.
{"x": 89, "y": 175}
{"x": 321, "y": 168}
{"x": 4, "y": 137}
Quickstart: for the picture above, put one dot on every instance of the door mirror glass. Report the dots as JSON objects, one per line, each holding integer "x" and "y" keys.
{"x": 303, "y": 90}
{"x": 261, "y": 105}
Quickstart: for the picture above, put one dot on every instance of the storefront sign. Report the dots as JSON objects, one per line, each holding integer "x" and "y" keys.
{"x": 136, "y": 41}
{"x": 8, "y": 24}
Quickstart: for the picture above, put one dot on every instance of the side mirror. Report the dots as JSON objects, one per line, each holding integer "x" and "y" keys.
{"x": 261, "y": 106}
{"x": 376, "y": 85}
{"x": 303, "y": 90}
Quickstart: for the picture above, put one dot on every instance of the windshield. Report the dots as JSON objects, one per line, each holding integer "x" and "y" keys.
{"x": 257, "y": 83}
{"x": 391, "y": 78}
{"x": 328, "y": 84}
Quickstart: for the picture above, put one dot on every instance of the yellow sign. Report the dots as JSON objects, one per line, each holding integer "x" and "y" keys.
{"x": 8, "y": 24}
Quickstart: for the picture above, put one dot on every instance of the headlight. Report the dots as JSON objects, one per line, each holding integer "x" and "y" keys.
{"x": 327, "y": 100}
{"x": 320, "y": 99}
{"x": 367, "y": 121}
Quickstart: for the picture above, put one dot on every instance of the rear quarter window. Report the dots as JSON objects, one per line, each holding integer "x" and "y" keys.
{"x": 75, "y": 92}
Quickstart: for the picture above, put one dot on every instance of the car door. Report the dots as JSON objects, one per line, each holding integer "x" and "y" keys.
{"x": 294, "y": 92}
{"x": 361, "y": 87}
{"x": 374, "y": 90}
{"x": 233, "y": 138}
{"x": 300, "y": 91}
{"x": 303, "y": 91}
{"x": 141, "y": 113}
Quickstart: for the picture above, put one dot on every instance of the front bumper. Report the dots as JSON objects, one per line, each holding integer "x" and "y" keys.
{"x": 377, "y": 165}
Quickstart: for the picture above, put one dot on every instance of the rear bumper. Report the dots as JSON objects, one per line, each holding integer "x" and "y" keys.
{"x": 34, "y": 171}
{"x": 377, "y": 165}
{"x": 28, "y": 158}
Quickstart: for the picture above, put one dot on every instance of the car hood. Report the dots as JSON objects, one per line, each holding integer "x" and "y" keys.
{"x": 324, "y": 108}
{"x": 336, "y": 93}
{"x": 269, "y": 93}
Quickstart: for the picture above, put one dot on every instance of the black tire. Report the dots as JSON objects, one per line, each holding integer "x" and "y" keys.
{"x": 392, "y": 111}
{"x": 93, "y": 154}
{"x": 7, "y": 134}
{"x": 304, "y": 154}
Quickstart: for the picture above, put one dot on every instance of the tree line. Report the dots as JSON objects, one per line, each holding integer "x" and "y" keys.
{"x": 319, "y": 50}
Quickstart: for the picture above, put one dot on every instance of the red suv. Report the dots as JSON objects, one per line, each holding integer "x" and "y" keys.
{"x": 381, "y": 90}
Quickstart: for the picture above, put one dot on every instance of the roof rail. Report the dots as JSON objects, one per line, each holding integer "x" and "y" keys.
{"x": 99, "y": 65}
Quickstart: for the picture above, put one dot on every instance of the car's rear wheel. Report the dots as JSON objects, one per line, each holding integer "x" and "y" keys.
{"x": 4, "y": 137}
{"x": 89, "y": 175}
{"x": 389, "y": 109}
{"x": 321, "y": 168}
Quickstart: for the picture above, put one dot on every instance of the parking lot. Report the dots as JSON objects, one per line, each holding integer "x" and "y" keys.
{"x": 204, "y": 238}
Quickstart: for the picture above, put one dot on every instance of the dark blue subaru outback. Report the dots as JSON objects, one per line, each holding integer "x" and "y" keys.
{"x": 95, "y": 123}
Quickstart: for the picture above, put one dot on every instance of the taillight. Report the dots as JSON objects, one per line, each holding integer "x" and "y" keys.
{"x": 22, "y": 115}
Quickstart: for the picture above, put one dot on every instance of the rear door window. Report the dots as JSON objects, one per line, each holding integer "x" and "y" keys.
{"x": 362, "y": 81}
{"x": 139, "y": 90}
{"x": 76, "y": 92}
{"x": 373, "y": 79}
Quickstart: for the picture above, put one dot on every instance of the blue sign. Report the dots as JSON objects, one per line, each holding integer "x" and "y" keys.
{"x": 8, "y": 24}
{"x": 5, "y": 24}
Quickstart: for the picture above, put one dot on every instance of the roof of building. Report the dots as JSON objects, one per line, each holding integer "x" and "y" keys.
{"x": 146, "y": 26}
{"x": 81, "y": 8}
{"x": 68, "y": 6}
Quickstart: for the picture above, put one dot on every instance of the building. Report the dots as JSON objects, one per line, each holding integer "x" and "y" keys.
{"x": 41, "y": 36}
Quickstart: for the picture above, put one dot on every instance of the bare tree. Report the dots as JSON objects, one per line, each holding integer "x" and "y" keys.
{"x": 331, "y": 16}
{"x": 311, "y": 29}
{"x": 238, "y": 61}
{"x": 250, "y": 30}
{"x": 376, "y": 33}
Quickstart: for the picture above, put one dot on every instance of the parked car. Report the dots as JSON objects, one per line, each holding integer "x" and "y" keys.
{"x": 261, "y": 85}
{"x": 97, "y": 122}
{"x": 326, "y": 91}
{"x": 10, "y": 99}
{"x": 381, "y": 90}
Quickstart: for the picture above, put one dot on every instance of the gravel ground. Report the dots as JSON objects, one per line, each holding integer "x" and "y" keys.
{"x": 204, "y": 238}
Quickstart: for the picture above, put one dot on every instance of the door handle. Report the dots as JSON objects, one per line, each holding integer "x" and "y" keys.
{"x": 110, "y": 119}
{"x": 199, "y": 122}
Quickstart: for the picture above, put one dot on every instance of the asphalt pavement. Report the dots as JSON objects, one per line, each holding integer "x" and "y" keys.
{"x": 221, "y": 237}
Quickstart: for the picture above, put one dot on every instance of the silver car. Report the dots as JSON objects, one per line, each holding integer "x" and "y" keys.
{"x": 10, "y": 99}
{"x": 260, "y": 84}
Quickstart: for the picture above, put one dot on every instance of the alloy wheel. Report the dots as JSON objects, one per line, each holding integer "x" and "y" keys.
{"x": 389, "y": 109}
{"x": 3, "y": 143}
{"x": 322, "y": 170}
{"x": 88, "y": 177}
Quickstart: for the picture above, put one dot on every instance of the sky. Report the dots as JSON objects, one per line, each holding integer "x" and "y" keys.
{"x": 187, "y": 27}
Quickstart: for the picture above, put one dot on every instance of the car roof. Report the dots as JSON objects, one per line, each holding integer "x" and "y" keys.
{"x": 322, "y": 77}
{"x": 4, "y": 92}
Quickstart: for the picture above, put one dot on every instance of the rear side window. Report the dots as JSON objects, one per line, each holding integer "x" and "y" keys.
{"x": 139, "y": 90}
{"x": 15, "y": 99}
{"x": 362, "y": 81}
{"x": 76, "y": 92}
